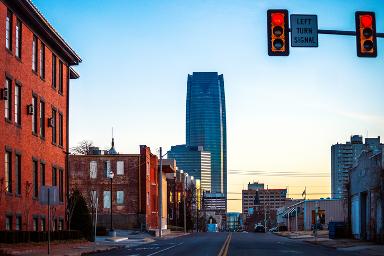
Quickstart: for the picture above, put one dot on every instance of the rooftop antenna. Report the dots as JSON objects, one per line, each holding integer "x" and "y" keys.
{"x": 113, "y": 140}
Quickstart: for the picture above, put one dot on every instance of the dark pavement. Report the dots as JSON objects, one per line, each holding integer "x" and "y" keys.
{"x": 239, "y": 244}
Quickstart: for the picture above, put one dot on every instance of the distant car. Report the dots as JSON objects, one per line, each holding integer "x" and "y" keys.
{"x": 275, "y": 229}
{"x": 318, "y": 226}
{"x": 259, "y": 229}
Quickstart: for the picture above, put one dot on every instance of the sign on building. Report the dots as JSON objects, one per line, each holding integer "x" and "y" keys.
{"x": 304, "y": 30}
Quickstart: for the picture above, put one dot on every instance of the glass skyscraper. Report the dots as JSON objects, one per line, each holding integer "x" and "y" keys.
{"x": 206, "y": 123}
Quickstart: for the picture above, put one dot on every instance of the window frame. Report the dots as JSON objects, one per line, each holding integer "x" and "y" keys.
{"x": 18, "y": 93}
{"x": 61, "y": 128}
{"x": 34, "y": 54}
{"x": 42, "y": 60}
{"x": 8, "y": 30}
{"x": 34, "y": 115}
{"x": 18, "y": 172}
{"x": 61, "y": 77}
{"x": 8, "y": 102}
{"x": 54, "y": 130}
{"x": 8, "y": 170}
{"x": 42, "y": 173}
{"x": 18, "y": 38}
{"x": 35, "y": 177}
{"x": 54, "y": 71}
{"x": 42, "y": 118}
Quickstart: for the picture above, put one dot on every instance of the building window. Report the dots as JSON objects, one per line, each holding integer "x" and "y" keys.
{"x": 18, "y": 173}
{"x": 42, "y": 119}
{"x": 61, "y": 185}
{"x": 61, "y": 126}
{"x": 18, "y": 39}
{"x": 107, "y": 168}
{"x": 53, "y": 124}
{"x": 120, "y": 168}
{"x": 54, "y": 176}
{"x": 61, "y": 76}
{"x": 8, "y": 101}
{"x": 8, "y": 223}
{"x": 42, "y": 224}
{"x": 8, "y": 31}
{"x": 18, "y": 223}
{"x": 35, "y": 170}
{"x": 18, "y": 104}
{"x": 35, "y": 224}
{"x": 42, "y": 61}
{"x": 42, "y": 174}
{"x": 93, "y": 169}
{"x": 54, "y": 71}
{"x": 61, "y": 225}
{"x": 34, "y": 114}
{"x": 107, "y": 199}
{"x": 34, "y": 53}
{"x": 120, "y": 197}
{"x": 8, "y": 171}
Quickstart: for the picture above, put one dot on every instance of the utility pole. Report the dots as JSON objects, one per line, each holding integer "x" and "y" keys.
{"x": 296, "y": 217}
{"x": 160, "y": 190}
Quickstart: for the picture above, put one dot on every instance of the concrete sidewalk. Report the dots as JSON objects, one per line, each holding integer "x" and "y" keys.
{"x": 350, "y": 245}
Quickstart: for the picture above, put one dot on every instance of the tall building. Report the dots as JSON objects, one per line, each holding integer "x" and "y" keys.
{"x": 260, "y": 197}
{"x": 195, "y": 161}
{"x": 344, "y": 157}
{"x": 36, "y": 68}
{"x": 206, "y": 123}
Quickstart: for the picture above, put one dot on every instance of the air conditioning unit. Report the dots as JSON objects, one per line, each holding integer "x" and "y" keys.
{"x": 4, "y": 94}
{"x": 51, "y": 122}
{"x": 30, "y": 109}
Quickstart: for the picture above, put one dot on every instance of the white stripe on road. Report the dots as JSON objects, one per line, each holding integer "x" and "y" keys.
{"x": 164, "y": 249}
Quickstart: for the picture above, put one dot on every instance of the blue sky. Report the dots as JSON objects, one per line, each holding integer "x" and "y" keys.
{"x": 283, "y": 113}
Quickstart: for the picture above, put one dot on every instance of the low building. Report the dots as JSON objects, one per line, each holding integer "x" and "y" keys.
{"x": 302, "y": 215}
{"x": 234, "y": 221}
{"x": 134, "y": 186}
{"x": 366, "y": 196}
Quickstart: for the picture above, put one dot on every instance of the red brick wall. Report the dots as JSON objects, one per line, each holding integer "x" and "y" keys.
{"x": 21, "y": 138}
{"x": 124, "y": 215}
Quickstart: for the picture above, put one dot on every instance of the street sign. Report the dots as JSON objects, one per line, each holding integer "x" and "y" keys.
{"x": 53, "y": 195}
{"x": 304, "y": 30}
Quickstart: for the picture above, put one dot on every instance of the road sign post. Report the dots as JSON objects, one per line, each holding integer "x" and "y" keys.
{"x": 49, "y": 196}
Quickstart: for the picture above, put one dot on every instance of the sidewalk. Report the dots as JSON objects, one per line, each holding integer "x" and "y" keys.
{"x": 350, "y": 245}
{"x": 69, "y": 248}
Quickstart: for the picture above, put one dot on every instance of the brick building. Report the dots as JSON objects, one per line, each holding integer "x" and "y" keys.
{"x": 134, "y": 188}
{"x": 35, "y": 65}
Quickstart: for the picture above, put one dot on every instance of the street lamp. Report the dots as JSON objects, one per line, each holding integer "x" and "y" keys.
{"x": 110, "y": 175}
{"x": 185, "y": 196}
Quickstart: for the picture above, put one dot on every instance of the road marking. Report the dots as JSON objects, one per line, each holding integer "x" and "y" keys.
{"x": 164, "y": 249}
{"x": 224, "y": 249}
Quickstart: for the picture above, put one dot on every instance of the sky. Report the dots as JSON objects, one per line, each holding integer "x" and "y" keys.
{"x": 283, "y": 113}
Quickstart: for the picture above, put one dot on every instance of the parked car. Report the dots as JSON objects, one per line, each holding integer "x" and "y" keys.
{"x": 259, "y": 228}
{"x": 273, "y": 230}
{"x": 318, "y": 226}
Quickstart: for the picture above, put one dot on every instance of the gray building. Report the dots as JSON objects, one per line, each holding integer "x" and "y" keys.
{"x": 343, "y": 158}
{"x": 367, "y": 196}
{"x": 195, "y": 161}
{"x": 206, "y": 123}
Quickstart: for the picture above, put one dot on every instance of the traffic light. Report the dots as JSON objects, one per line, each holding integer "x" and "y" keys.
{"x": 366, "y": 34}
{"x": 278, "y": 32}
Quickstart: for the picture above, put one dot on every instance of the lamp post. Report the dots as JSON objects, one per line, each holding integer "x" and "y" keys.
{"x": 111, "y": 231}
{"x": 185, "y": 197}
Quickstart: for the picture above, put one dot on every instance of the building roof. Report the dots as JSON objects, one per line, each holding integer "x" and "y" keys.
{"x": 41, "y": 26}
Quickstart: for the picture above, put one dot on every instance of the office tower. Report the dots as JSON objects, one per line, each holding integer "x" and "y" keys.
{"x": 206, "y": 123}
{"x": 344, "y": 157}
{"x": 195, "y": 161}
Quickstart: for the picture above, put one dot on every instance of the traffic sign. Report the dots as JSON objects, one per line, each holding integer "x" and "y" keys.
{"x": 49, "y": 195}
{"x": 304, "y": 30}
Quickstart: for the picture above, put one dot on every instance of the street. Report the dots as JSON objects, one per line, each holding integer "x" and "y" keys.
{"x": 239, "y": 244}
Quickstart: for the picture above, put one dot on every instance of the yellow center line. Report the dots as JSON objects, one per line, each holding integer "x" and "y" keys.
{"x": 224, "y": 249}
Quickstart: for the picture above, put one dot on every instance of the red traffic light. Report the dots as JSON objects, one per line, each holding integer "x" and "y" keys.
{"x": 366, "y": 20}
{"x": 277, "y": 18}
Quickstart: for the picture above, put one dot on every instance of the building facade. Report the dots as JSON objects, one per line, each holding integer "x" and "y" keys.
{"x": 195, "y": 161}
{"x": 134, "y": 187}
{"x": 36, "y": 70}
{"x": 343, "y": 158}
{"x": 367, "y": 196}
{"x": 206, "y": 123}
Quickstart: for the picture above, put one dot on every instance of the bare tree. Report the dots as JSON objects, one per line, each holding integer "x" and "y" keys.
{"x": 82, "y": 148}
{"x": 27, "y": 203}
{"x": 72, "y": 200}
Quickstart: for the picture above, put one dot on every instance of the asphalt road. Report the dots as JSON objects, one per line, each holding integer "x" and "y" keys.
{"x": 238, "y": 244}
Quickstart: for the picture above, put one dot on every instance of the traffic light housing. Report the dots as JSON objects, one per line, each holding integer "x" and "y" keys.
{"x": 278, "y": 32}
{"x": 366, "y": 34}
